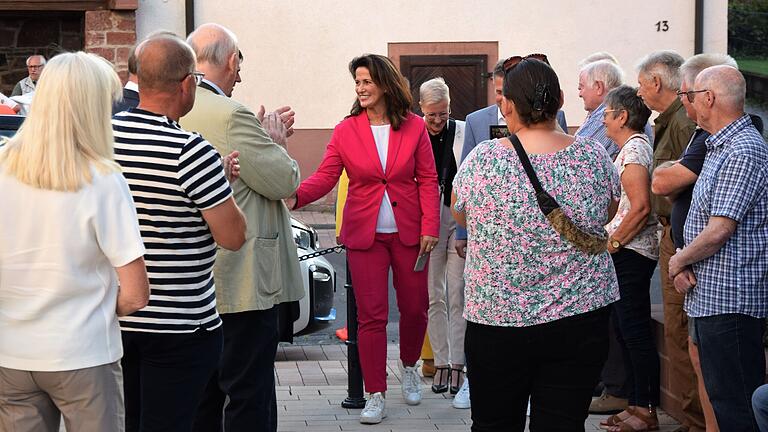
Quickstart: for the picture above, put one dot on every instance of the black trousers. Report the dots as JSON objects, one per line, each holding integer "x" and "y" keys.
{"x": 164, "y": 377}
{"x": 246, "y": 376}
{"x": 556, "y": 364}
{"x": 632, "y": 317}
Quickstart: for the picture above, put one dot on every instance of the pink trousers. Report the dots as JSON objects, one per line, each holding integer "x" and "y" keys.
{"x": 370, "y": 275}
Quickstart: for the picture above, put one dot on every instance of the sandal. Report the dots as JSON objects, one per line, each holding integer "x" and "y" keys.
{"x": 456, "y": 384}
{"x": 638, "y": 422}
{"x": 441, "y": 377}
{"x": 616, "y": 419}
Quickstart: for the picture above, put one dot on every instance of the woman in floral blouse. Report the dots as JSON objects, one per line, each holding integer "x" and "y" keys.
{"x": 534, "y": 299}
{"x": 634, "y": 247}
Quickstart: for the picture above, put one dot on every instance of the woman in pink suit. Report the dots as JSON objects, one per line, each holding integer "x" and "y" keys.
{"x": 391, "y": 217}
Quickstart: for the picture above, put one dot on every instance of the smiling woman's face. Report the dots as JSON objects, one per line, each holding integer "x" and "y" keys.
{"x": 369, "y": 94}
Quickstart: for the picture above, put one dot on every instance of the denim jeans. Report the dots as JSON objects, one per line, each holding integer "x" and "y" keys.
{"x": 760, "y": 407}
{"x": 634, "y": 330}
{"x": 733, "y": 366}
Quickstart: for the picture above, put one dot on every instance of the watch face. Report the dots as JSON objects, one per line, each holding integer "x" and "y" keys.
{"x": 615, "y": 244}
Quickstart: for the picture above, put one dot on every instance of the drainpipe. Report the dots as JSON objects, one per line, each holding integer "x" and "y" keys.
{"x": 698, "y": 37}
{"x": 189, "y": 15}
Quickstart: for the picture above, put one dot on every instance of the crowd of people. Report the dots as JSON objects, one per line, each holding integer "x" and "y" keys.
{"x": 144, "y": 265}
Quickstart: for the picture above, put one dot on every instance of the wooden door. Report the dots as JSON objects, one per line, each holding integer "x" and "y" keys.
{"x": 465, "y": 75}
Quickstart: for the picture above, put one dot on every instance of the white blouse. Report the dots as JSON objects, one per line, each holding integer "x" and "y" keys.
{"x": 386, "y": 221}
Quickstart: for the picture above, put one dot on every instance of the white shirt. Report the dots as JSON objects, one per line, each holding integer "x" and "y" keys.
{"x": 58, "y": 287}
{"x": 130, "y": 85}
{"x": 5, "y": 100}
{"x": 500, "y": 120}
{"x": 386, "y": 221}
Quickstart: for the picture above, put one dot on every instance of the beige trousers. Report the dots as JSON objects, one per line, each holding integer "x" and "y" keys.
{"x": 89, "y": 399}
{"x": 446, "y": 325}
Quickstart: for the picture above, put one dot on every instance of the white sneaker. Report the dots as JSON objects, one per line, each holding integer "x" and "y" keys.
{"x": 374, "y": 409}
{"x": 411, "y": 385}
{"x": 461, "y": 400}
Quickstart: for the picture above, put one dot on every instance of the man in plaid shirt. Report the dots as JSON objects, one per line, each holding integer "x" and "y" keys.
{"x": 724, "y": 266}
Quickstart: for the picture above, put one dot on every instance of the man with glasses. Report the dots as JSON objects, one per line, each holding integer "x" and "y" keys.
{"x": 659, "y": 80}
{"x": 251, "y": 284}
{"x": 35, "y": 65}
{"x": 726, "y": 235}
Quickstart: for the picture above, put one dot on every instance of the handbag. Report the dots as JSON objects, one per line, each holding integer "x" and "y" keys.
{"x": 585, "y": 242}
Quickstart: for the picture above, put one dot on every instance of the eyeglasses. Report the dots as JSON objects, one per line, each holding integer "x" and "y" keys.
{"x": 197, "y": 75}
{"x": 690, "y": 94}
{"x": 515, "y": 60}
{"x": 432, "y": 116}
{"x": 605, "y": 113}
{"x": 35, "y": 66}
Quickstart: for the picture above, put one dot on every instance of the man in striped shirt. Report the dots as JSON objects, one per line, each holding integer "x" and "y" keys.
{"x": 185, "y": 208}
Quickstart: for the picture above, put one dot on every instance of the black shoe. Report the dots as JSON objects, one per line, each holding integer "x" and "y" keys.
{"x": 456, "y": 374}
{"x": 440, "y": 374}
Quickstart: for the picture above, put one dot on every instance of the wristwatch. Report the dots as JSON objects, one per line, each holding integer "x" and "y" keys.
{"x": 615, "y": 243}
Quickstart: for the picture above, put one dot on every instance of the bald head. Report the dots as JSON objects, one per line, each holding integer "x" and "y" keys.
{"x": 164, "y": 61}
{"x": 213, "y": 43}
{"x": 727, "y": 84}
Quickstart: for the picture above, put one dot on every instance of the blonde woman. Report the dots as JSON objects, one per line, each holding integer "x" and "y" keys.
{"x": 68, "y": 235}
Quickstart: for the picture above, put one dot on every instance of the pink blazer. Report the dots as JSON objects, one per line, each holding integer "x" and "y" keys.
{"x": 410, "y": 179}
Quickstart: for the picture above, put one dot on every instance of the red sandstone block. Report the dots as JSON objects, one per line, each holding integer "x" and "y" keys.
{"x": 107, "y": 53}
{"x": 98, "y": 20}
{"x": 126, "y": 21}
{"x": 95, "y": 38}
{"x": 121, "y": 38}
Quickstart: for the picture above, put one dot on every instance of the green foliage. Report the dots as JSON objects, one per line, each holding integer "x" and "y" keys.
{"x": 759, "y": 66}
{"x": 748, "y": 28}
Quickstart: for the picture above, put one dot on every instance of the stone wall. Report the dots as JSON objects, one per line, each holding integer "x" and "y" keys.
{"x": 111, "y": 34}
{"x": 108, "y": 33}
{"x": 22, "y": 35}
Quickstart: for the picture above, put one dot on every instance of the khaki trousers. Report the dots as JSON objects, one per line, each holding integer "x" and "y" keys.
{"x": 89, "y": 399}
{"x": 446, "y": 324}
{"x": 682, "y": 378}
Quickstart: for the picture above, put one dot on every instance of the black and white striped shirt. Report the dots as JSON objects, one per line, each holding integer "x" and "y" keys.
{"x": 173, "y": 175}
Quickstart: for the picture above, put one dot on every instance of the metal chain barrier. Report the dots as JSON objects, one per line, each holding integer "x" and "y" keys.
{"x": 335, "y": 249}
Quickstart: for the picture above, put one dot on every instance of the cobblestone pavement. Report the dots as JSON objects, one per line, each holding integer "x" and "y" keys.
{"x": 312, "y": 382}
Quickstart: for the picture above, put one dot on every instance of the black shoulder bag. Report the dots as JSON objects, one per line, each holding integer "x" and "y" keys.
{"x": 585, "y": 242}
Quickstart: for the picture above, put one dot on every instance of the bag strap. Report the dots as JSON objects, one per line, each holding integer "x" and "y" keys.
{"x": 547, "y": 203}
{"x": 526, "y": 163}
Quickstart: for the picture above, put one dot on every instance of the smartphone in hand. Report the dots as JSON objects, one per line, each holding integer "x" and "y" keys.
{"x": 421, "y": 262}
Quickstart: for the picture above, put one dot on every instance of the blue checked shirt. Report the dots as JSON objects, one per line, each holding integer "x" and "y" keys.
{"x": 594, "y": 128}
{"x": 733, "y": 183}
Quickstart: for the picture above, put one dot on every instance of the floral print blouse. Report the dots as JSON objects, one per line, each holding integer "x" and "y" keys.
{"x": 519, "y": 270}
{"x": 637, "y": 150}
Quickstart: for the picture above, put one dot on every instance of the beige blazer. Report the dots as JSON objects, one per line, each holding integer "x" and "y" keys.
{"x": 265, "y": 271}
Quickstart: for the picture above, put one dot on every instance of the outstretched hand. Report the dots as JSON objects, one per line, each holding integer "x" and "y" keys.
{"x": 286, "y": 114}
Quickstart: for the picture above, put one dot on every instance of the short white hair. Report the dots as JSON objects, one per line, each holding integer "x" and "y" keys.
{"x": 665, "y": 65}
{"x": 597, "y": 56}
{"x": 42, "y": 58}
{"x": 434, "y": 91}
{"x": 604, "y": 71}
{"x": 217, "y": 51}
{"x": 694, "y": 65}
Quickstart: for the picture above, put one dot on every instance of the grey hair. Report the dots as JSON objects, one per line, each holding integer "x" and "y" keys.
{"x": 600, "y": 55}
{"x": 42, "y": 57}
{"x": 604, "y": 71}
{"x": 219, "y": 50}
{"x": 434, "y": 91}
{"x": 665, "y": 65}
{"x": 699, "y": 62}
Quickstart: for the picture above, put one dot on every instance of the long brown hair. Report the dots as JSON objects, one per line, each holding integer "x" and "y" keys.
{"x": 397, "y": 94}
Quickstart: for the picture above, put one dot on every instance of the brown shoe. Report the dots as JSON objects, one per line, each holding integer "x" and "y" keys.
{"x": 428, "y": 368}
{"x": 607, "y": 404}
